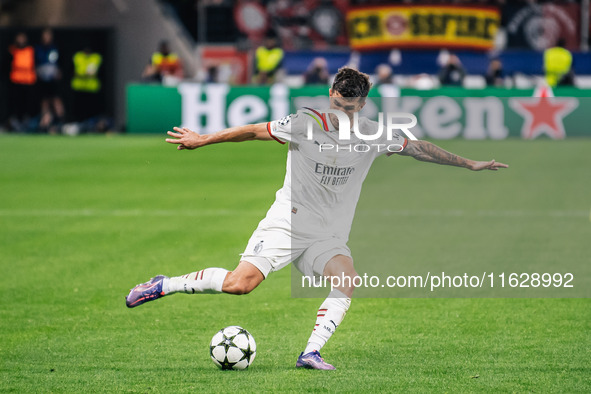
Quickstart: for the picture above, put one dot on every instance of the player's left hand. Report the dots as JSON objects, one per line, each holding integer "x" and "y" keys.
{"x": 487, "y": 165}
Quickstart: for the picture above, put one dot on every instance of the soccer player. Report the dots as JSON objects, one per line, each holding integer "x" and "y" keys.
{"x": 309, "y": 222}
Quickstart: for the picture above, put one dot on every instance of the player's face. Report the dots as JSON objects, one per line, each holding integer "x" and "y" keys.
{"x": 346, "y": 104}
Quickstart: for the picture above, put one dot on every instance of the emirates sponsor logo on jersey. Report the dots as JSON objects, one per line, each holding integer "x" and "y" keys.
{"x": 323, "y": 169}
{"x": 333, "y": 175}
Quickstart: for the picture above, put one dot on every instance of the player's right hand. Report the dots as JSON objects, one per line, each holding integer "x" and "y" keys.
{"x": 186, "y": 138}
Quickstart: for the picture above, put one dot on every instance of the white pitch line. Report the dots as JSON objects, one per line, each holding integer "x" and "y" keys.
{"x": 484, "y": 213}
{"x": 123, "y": 212}
{"x": 238, "y": 212}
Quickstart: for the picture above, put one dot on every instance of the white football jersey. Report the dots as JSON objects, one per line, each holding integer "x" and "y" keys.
{"x": 324, "y": 174}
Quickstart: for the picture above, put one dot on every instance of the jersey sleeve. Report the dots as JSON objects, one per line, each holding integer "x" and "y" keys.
{"x": 396, "y": 144}
{"x": 290, "y": 128}
{"x": 386, "y": 145}
{"x": 281, "y": 130}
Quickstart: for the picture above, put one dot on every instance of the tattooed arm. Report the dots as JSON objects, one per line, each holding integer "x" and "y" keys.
{"x": 426, "y": 151}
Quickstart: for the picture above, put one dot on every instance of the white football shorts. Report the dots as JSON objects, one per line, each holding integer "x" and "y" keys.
{"x": 273, "y": 247}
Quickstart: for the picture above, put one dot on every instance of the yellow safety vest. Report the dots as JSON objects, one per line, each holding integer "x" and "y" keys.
{"x": 86, "y": 67}
{"x": 557, "y": 62}
{"x": 268, "y": 59}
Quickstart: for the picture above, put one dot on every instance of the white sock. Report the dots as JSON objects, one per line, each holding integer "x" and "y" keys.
{"x": 207, "y": 281}
{"x": 330, "y": 315}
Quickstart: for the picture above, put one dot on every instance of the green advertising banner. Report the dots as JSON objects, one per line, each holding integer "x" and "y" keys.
{"x": 444, "y": 113}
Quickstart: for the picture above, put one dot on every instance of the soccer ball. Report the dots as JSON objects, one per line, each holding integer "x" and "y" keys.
{"x": 232, "y": 348}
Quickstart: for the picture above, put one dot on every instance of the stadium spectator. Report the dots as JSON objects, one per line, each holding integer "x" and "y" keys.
{"x": 558, "y": 65}
{"x": 494, "y": 74}
{"x": 317, "y": 73}
{"x": 164, "y": 65}
{"x": 212, "y": 74}
{"x": 452, "y": 72}
{"x": 22, "y": 81}
{"x": 86, "y": 84}
{"x": 48, "y": 76}
{"x": 384, "y": 75}
{"x": 268, "y": 59}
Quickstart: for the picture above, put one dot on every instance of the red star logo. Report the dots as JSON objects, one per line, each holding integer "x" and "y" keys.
{"x": 543, "y": 114}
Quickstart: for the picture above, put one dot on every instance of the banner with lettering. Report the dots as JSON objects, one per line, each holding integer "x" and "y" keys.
{"x": 494, "y": 113}
{"x": 541, "y": 26}
{"x": 452, "y": 27}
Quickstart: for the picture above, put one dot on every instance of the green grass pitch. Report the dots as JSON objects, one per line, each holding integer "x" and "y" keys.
{"x": 84, "y": 219}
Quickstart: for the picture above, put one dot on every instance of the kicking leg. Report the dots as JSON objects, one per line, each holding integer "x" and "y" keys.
{"x": 244, "y": 279}
{"x": 330, "y": 314}
{"x": 207, "y": 281}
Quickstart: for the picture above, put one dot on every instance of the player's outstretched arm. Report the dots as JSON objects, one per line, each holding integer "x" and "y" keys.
{"x": 426, "y": 151}
{"x": 188, "y": 139}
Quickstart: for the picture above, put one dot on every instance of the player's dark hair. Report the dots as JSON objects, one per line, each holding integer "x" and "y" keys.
{"x": 351, "y": 83}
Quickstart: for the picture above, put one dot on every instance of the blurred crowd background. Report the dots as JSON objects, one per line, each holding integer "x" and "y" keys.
{"x": 65, "y": 64}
